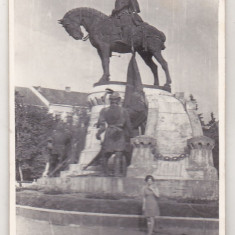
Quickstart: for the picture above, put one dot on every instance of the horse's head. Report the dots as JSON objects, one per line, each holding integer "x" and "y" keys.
{"x": 72, "y": 27}
{"x": 82, "y": 16}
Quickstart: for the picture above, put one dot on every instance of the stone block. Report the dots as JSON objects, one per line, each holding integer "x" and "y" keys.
{"x": 152, "y": 121}
{"x": 174, "y": 121}
{"x": 170, "y": 188}
{"x": 140, "y": 172}
{"x": 170, "y": 142}
{"x": 171, "y": 169}
{"x": 171, "y": 107}
{"x": 201, "y": 159}
{"x": 170, "y": 122}
{"x": 179, "y": 95}
{"x": 142, "y": 162}
{"x": 195, "y": 123}
{"x": 191, "y": 105}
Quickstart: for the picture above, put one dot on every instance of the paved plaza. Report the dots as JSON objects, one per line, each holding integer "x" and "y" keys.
{"x": 25, "y": 226}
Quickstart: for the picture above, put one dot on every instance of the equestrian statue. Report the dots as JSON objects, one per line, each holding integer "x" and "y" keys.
{"x": 123, "y": 32}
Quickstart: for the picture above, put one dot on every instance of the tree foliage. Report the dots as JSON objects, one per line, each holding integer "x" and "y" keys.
{"x": 211, "y": 130}
{"x": 33, "y": 125}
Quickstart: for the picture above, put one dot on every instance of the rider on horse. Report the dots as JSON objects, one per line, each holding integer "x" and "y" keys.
{"x": 126, "y": 16}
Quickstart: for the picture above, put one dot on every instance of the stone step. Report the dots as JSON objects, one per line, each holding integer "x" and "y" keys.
{"x": 172, "y": 188}
{"x": 77, "y": 169}
{"x": 65, "y": 174}
{"x": 74, "y": 167}
{"x": 94, "y": 168}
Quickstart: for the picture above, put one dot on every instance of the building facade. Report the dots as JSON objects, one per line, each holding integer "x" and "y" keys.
{"x": 61, "y": 103}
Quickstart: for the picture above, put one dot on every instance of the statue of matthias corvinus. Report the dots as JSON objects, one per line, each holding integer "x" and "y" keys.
{"x": 123, "y": 31}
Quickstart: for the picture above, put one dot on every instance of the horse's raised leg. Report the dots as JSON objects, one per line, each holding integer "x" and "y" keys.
{"x": 104, "y": 56}
{"x": 147, "y": 57}
{"x": 164, "y": 65}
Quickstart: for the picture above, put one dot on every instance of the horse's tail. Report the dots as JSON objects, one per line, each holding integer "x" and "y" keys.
{"x": 152, "y": 32}
{"x": 163, "y": 38}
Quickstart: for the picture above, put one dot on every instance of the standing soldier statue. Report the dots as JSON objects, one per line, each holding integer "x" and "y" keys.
{"x": 58, "y": 148}
{"x": 117, "y": 135}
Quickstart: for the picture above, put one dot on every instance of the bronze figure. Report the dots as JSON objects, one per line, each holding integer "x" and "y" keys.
{"x": 125, "y": 16}
{"x": 117, "y": 136}
{"x": 107, "y": 35}
{"x": 58, "y": 147}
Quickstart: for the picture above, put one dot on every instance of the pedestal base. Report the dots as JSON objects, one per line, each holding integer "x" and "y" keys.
{"x": 77, "y": 169}
{"x": 132, "y": 187}
{"x": 140, "y": 172}
{"x": 209, "y": 173}
{"x": 201, "y": 164}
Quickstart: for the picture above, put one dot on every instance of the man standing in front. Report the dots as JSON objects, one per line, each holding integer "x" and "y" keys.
{"x": 117, "y": 135}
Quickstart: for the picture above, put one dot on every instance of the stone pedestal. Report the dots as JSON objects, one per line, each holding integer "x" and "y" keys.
{"x": 146, "y": 161}
{"x": 172, "y": 125}
{"x": 201, "y": 164}
{"x": 173, "y": 150}
{"x": 133, "y": 187}
{"x": 143, "y": 162}
{"x": 191, "y": 108}
{"x": 97, "y": 100}
{"x": 168, "y": 122}
{"x": 168, "y": 127}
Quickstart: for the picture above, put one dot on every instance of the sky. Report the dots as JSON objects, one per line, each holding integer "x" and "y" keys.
{"x": 45, "y": 55}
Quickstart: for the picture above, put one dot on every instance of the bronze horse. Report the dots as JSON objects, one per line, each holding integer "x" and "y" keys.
{"x": 145, "y": 39}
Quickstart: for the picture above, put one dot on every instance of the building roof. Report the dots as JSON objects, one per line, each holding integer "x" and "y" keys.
{"x": 63, "y": 97}
{"x": 28, "y": 97}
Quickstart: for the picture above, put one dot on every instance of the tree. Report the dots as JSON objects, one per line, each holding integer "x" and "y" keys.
{"x": 33, "y": 125}
{"x": 212, "y": 121}
{"x": 200, "y": 116}
{"x": 211, "y": 129}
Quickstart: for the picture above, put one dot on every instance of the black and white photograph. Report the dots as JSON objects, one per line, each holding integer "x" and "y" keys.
{"x": 117, "y": 117}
